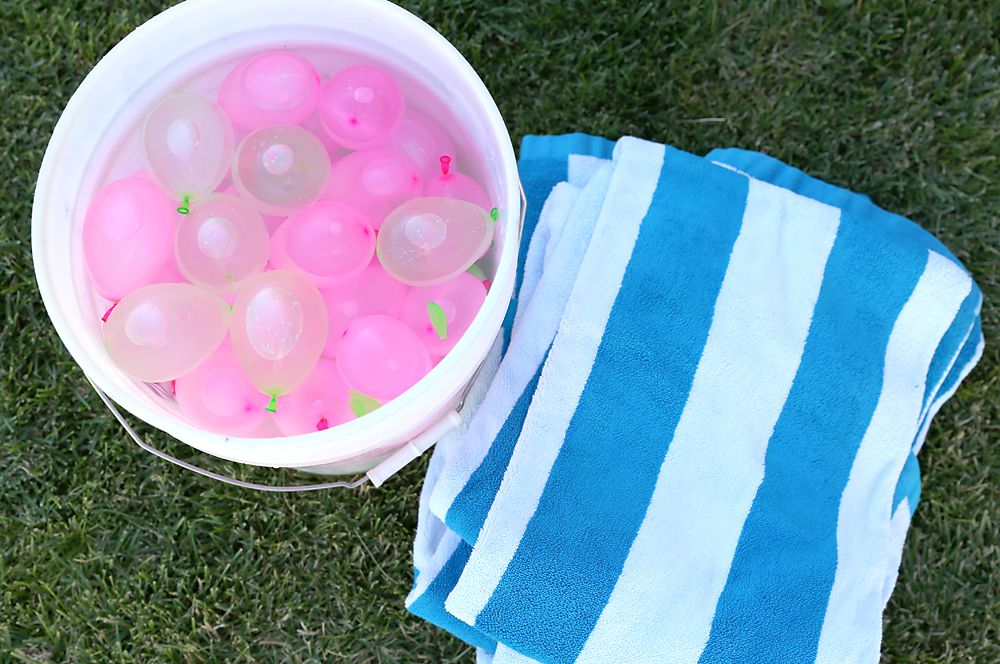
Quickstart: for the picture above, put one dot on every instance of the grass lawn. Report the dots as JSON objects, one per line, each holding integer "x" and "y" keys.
{"x": 108, "y": 554}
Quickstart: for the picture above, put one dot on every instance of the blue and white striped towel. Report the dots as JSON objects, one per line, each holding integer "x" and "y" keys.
{"x": 699, "y": 445}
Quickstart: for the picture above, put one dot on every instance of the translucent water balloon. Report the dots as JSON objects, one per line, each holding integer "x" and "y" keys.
{"x": 186, "y": 143}
{"x": 162, "y": 331}
{"x": 428, "y": 241}
{"x": 441, "y": 314}
{"x": 221, "y": 244}
{"x": 318, "y": 403}
{"x": 276, "y": 87}
{"x": 328, "y": 242}
{"x": 127, "y": 236}
{"x": 361, "y": 107}
{"x": 218, "y": 397}
{"x": 450, "y": 184}
{"x": 374, "y": 181}
{"x": 278, "y": 330}
{"x": 381, "y": 357}
{"x": 279, "y": 169}
{"x": 371, "y": 292}
{"x": 424, "y": 140}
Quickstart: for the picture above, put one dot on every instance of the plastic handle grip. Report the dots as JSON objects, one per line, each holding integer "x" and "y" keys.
{"x": 414, "y": 448}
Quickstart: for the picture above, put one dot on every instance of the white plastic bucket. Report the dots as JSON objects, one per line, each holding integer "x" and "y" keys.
{"x": 191, "y": 46}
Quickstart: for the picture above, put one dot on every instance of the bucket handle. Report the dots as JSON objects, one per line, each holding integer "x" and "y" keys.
{"x": 377, "y": 475}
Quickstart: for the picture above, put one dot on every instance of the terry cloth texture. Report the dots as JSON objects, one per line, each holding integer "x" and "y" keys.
{"x": 699, "y": 445}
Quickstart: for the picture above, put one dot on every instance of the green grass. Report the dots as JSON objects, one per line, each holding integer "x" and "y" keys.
{"x": 108, "y": 554}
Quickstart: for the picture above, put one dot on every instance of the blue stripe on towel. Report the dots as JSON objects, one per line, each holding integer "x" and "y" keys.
{"x": 787, "y": 554}
{"x": 908, "y": 485}
{"x": 678, "y": 298}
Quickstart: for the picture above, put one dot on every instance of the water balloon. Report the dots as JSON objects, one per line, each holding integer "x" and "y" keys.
{"x": 328, "y": 242}
{"x": 221, "y": 244}
{"x": 276, "y": 87}
{"x": 186, "y": 143}
{"x": 361, "y": 107}
{"x": 279, "y": 169}
{"x": 441, "y": 314}
{"x": 374, "y": 181}
{"x": 321, "y": 401}
{"x": 428, "y": 241}
{"x": 278, "y": 330}
{"x": 162, "y": 331}
{"x": 381, "y": 357}
{"x": 127, "y": 236}
{"x": 218, "y": 397}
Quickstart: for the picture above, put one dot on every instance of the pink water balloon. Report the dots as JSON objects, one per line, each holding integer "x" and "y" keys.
{"x": 361, "y": 107}
{"x": 276, "y": 87}
{"x": 318, "y": 403}
{"x": 441, "y": 314}
{"x": 381, "y": 357}
{"x": 221, "y": 244}
{"x": 421, "y": 138}
{"x": 186, "y": 143}
{"x": 279, "y": 169}
{"x": 278, "y": 330}
{"x": 218, "y": 397}
{"x": 162, "y": 331}
{"x": 127, "y": 236}
{"x": 328, "y": 242}
{"x": 428, "y": 241}
{"x": 371, "y": 292}
{"x": 451, "y": 184}
{"x": 374, "y": 181}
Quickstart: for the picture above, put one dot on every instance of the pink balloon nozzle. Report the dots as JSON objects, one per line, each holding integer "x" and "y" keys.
{"x": 456, "y": 185}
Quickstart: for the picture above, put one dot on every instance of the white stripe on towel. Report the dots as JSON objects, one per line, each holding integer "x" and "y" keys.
{"x": 715, "y": 463}
{"x": 852, "y": 628}
{"x": 894, "y": 548}
{"x": 637, "y": 171}
{"x": 507, "y": 656}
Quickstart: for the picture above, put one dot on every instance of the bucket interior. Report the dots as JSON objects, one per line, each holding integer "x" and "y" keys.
{"x": 191, "y": 47}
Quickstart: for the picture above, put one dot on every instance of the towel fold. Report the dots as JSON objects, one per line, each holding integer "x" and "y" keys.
{"x": 700, "y": 443}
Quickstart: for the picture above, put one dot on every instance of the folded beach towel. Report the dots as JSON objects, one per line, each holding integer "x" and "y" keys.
{"x": 699, "y": 445}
